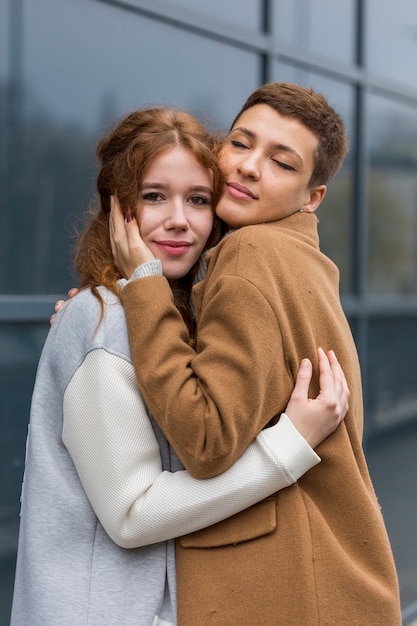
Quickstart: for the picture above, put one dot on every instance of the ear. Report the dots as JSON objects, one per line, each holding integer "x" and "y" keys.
{"x": 314, "y": 197}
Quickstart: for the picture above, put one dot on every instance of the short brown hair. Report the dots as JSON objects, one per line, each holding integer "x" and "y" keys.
{"x": 315, "y": 113}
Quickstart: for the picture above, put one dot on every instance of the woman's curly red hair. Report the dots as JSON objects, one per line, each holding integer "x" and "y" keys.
{"x": 124, "y": 156}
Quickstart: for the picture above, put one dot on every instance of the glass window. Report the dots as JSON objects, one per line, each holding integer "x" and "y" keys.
{"x": 143, "y": 62}
{"x": 324, "y": 27}
{"x": 244, "y": 14}
{"x": 335, "y": 212}
{"x": 86, "y": 64}
{"x": 391, "y": 39}
{"x": 391, "y": 375}
{"x": 392, "y": 188}
{"x": 20, "y": 348}
{"x": 4, "y": 42}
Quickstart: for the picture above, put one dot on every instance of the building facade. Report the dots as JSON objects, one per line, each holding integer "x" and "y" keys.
{"x": 70, "y": 69}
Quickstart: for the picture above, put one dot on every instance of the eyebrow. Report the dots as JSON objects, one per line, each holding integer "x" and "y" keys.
{"x": 276, "y": 147}
{"x": 196, "y": 188}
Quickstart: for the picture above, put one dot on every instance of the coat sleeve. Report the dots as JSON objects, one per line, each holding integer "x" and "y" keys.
{"x": 211, "y": 403}
{"x": 115, "y": 452}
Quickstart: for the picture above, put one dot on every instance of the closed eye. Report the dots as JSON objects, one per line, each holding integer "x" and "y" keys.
{"x": 238, "y": 144}
{"x": 284, "y": 166}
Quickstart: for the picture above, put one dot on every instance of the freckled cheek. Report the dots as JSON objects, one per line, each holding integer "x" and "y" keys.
{"x": 224, "y": 162}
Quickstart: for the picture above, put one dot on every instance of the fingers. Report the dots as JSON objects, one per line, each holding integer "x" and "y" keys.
{"x": 117, "y": 219}
{"x": 127, "y": 246}
{"x": 58, "y": 305}
{"x": 117, "y": 229}
{"x": 316, "y": 418}
{"x": 302, "y": 382}
{"x": 325, "y": 371}
{"x": 116, "y": 225}
{"x": 339, "y": 383}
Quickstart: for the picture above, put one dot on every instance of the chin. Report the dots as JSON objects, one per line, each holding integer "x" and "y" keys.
{"x": 233, "y": 220}
{"x": 175, "y": 273}
{"x": 230, "y": 220}
{"x": 237, "y": 223}
{"x": 172, "y": 275}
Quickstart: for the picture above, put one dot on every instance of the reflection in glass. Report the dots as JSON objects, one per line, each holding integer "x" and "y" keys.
{"x": 392, "y": 189}
{"x": 392, "y": 391}
{"x": 238, "y": 13}
{"x": 4, "y": 39}
{"x": 20, "y": 349}
{"x": 391, "y": 40}
{"x": 324, "y": 27}
{"x": 70, "y": 95}
{"x": 335, "y": 212}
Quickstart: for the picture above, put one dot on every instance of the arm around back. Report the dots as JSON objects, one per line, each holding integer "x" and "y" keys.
{"x": 113, "y": 446}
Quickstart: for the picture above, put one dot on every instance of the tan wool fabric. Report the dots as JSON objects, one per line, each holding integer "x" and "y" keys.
{"x": 317, "y": 553}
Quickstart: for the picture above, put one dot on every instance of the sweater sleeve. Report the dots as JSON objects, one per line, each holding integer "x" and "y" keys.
{"x": 210, "y": 403}
{"x": 113, "y": 446}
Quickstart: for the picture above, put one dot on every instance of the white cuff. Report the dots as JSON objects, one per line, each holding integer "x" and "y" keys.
{"x": 296, "y": 454}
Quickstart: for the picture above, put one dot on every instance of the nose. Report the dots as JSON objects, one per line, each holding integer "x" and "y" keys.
{"x": 249, "y": 165}
{"x": 177, "y": 216}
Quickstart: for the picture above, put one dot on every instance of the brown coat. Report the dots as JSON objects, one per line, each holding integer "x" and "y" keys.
{"x": 316, "y": 553}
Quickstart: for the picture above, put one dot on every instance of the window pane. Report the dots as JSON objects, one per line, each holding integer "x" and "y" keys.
{"x": 72, "y": 93}
{"x": 144, "y": 62}
{"x": 4, "y": 43}
{"x": 391, "y": 39}
{"x": 20, "y": 348}
{"x": 335, "y": 212}
{"x": 244, "y": 14}
{"x": 392, "y": 188}
{"x": 391, "y": 374}
{"x": 324, "y": 27}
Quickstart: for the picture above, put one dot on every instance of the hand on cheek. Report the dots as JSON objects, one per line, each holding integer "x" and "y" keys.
{"x": 128, "y": 248}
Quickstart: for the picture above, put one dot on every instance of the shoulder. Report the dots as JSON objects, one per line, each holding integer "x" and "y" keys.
{"x": 242, "y": 241}
{"x": 268, "y": 252}
{"x": 298, "y": 231}
{"x": 259, "y": 242}
{"x": 301, "y": 226}
{"x": 83, "y": 325}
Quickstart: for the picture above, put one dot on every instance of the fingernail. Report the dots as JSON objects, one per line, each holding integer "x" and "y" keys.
{"x": 128, "y": 217}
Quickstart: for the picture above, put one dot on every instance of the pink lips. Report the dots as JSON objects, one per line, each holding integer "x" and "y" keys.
{"x": 174, "y": 248}
{"x": 240, "y": 191}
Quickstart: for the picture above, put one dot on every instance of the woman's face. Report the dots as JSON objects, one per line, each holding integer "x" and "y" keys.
{"x": 267, "y": 160}
{"x": 175, "y": 212}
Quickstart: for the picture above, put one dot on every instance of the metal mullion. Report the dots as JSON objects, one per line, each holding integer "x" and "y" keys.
{"x": 195, "y": 22}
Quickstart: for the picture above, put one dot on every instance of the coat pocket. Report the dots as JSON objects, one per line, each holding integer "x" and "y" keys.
{"x": 257, "y": 521}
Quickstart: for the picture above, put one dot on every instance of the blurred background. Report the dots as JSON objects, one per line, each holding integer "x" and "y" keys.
{"x": 70, "y": 69}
